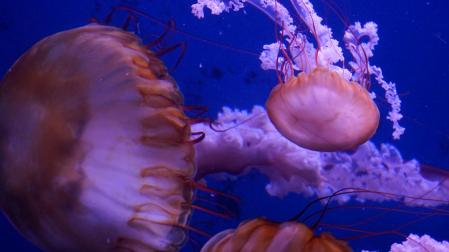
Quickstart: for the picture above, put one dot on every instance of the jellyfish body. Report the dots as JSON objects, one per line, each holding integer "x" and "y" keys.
{"x": 339, "y": 114}
{"x": 94, "y": 145}
{"x": 264, "y": 235}
{"x": 322, "y": 111}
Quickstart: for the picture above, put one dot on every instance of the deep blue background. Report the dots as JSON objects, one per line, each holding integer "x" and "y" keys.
{"x": 413, "y": 52}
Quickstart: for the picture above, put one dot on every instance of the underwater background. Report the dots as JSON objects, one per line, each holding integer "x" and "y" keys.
{"x": 221, "y": 68}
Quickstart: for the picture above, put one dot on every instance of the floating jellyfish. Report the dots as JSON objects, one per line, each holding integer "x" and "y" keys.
{"x": 264, "y": 235}
{"x": 322, "y": 111}
{"x": 326, "y": 107}
{"x": 95, "y": 148}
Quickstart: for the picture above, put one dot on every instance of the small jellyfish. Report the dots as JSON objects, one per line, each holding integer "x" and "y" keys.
{"x": 268, "y": 236}
{"x": 322, "y": 108}
{"x": 95, "y": 147}
{"x": 322, "y": 101}
{"x": 323, "y": 111}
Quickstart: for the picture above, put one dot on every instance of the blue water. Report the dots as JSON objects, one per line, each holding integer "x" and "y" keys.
{"x": 413, "y": 52}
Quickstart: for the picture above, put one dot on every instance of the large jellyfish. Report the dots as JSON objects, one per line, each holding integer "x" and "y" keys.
{"x": 95, "y": 149}
{"x": 326, "y": 107}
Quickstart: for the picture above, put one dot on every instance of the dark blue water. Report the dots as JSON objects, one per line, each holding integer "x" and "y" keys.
{"x": 413, "y": 52}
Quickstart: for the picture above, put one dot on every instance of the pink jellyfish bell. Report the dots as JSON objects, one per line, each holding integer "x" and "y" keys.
{"x": 323, "y": 111}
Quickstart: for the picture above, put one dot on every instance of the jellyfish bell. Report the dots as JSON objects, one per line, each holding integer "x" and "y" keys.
{"x": 95, "y": 150}
{"x": 323, "y": 111}
{"x": 263, "y": 235}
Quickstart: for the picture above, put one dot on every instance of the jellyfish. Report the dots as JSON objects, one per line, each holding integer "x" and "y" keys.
{"x": 264, "y": 235}
{"x": 322, "y": 111}
{"x": 95, "y": 147}
{"x": 326, "y": 107}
